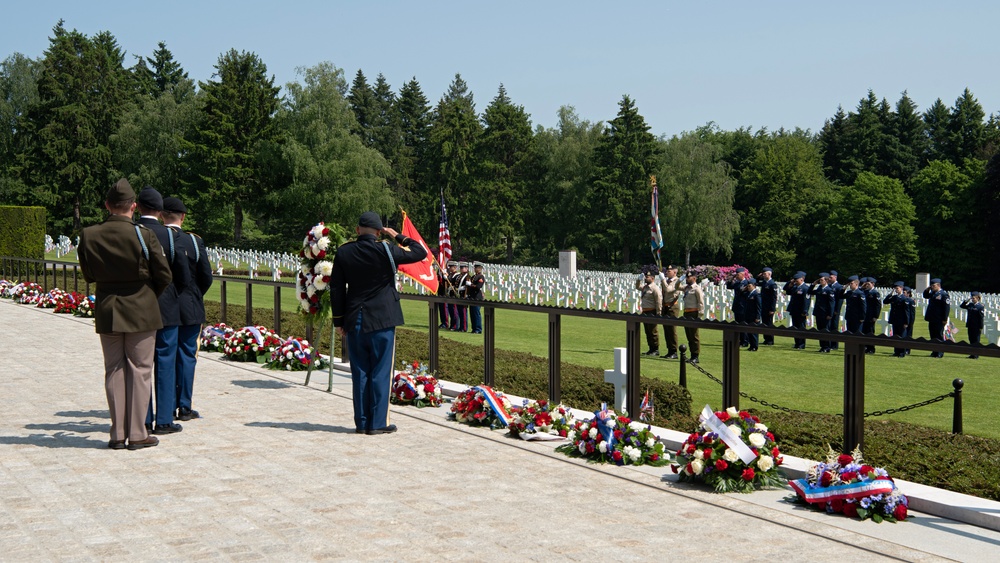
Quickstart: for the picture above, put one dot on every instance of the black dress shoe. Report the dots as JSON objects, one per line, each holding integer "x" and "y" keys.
{"x": 149, "y": 427}
{"x": 117, "y": 444}
{"x": 186, "y": 414}
{"x": 359, "y": 430}
{"x": 443, "y": 326}
{"x": 149, "y": 442}
{"x": 167, "y": 429}
{"x": 387, "y": 430}
{"x": 693, "y": 360}
{"x": 671, "y": 356}
{"x": 751, "y": 350}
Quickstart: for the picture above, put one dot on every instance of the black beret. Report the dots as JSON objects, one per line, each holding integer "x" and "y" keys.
{"x": 371, "y": 220}
{"x": 121, "y": 191}
{"x": 174, "y": 205}
{"x": 150, "y": 199}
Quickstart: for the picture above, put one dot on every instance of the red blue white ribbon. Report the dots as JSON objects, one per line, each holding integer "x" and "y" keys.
{"x": 817, "y": 494}
{"x": 495, "y": 403}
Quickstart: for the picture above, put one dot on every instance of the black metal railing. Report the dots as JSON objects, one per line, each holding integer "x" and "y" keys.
{"x": 854, "y": 344}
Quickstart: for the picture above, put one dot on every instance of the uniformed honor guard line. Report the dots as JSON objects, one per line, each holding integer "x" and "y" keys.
{"x": 854, "y": 344}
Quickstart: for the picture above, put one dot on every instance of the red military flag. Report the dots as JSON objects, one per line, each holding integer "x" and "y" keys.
{"x": 421, "y": 272}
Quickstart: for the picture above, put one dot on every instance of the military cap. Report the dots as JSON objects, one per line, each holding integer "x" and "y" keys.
{"x": 853, "y": 278}
{"x": 452, "y": 263}
{"x": 150, "y": 199}
{"x": 477, "y": 264}
{"x": 936, "y": 280}
{"x": 463, "y": 265}
{"x": 121, "y": 191}
{"x": 767, "y": 270}
{"x": 740, "y": 269}
{"x": 824, "y": 274}
{"x": 174, "y": 205}
{"x": 864, "y": 279}
{"x": 799, "y": 274}
{"x": 833, "y": 272}
{"x": 974, "y": 294}
{"x": 873, "y": 280}
{"x": 751, "y": 281}
{"x": 899, "y": 284}
{"x": 907, "y": 288}
{"x": 669, "y": 267}
{"x": 371, "y": 220}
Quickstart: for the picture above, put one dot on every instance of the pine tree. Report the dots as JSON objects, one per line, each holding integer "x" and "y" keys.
{"x": 832, "y": 141}
{"x": 618, "y": 205}
{"x": 864, "y": 139}
{"x": 167, "y": 73}
{"x": 412, "y": 191}
{"x": 362, "y": 100}
{"x": 224, "y": 156}
{"x": 936, "y": 120}
{"x": 966, "y": 130}
{"x": 18, "y": 92}
{"x": 909, "y": 129}
{"x": 506, "y": 172}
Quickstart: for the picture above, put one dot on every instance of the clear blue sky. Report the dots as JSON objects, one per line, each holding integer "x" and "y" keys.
{"x": 737, "y": 63}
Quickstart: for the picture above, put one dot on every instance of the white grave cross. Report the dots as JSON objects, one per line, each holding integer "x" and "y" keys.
{"x": 618, "y": 378}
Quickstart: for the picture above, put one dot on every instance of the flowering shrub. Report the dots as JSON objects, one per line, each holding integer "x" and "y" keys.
{"x": 295, "y": 354}
{"x": 213, "y": 338}
{"x": 86, "y": 307}
{"x": 30, "y": 293}
{"x": 251, "y": 344}
{"x": 540, "y": 417}
{"x": 50, "y": 299}
{"x": 482, "y": 406}
{"x": 610, "y": 438}
{"x": 69, "y": 302}
{"x": 415, "y": 386}
{"x": 313, "y": 278}
{"x": 709, "y": 457}
{"x": 844, "y": 484}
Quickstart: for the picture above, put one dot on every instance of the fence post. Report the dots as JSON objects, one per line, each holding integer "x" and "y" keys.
{"x": 854, "y": 396}
{"x": 956, "y": 421}
{"x": 683, "y": 382}
{"x": 432, "y": 336}
{"x": 730, "y": 369}
{"x": 222, "y": 300}
{"x": 277, "y": 309}
{"x": 249, "y": 303}
{"x": 489, "y": 344}
{"x": 632, "y": 386}
{"x": 555, "y": 358}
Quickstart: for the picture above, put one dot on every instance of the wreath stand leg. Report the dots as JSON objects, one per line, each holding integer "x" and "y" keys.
{"x": 333, "y": 334}
{"x": 316, "y": 359}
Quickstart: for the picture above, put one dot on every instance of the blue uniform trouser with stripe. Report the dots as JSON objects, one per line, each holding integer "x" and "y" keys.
{"x": 187, "y": 358}
{"x": 164, "y": 377}
{"x": 372, "y": 358}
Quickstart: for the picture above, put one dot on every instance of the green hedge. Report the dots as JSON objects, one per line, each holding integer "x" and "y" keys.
{"x": 22, "y": 231}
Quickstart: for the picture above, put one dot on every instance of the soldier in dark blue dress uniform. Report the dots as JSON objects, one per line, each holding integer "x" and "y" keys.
{"x": 823, "y": 307}
{"x": 768, "y": 302}
{"x": 739, "y": 300}
{"x": 366, "y": 309}
{"x": 838, "y": 306}
{"x": 856, "y": 306}
{"x": 873, "y": 305}
{"x": 938, "y": 310}
{"x": 798, "y": 304}
{"x": 899, "y": 315}
{"x": 974, "y": 320}
{"x": 752, "y": 312}
{"x": 911, "y": 312}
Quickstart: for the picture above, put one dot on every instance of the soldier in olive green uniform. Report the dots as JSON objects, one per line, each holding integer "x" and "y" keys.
{"x": 671, "y": 289}
{"x": 130, "y": 269}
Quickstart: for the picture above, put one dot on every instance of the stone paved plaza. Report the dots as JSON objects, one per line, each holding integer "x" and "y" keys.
{"x": 274, "y": 471}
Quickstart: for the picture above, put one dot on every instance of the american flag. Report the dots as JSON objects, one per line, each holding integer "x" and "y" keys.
{"x": 646, "y": 410}
{"x": 444, "y": 237}
{"x": 655, "y": 234}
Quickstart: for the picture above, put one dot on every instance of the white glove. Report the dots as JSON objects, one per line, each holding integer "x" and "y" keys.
{"x": 468, "y": 283}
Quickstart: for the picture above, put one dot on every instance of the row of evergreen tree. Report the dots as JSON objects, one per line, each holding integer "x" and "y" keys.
{"x": 881, "y": 190}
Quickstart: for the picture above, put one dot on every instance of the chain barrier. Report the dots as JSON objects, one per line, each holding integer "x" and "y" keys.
{"x": 775, "y": 406}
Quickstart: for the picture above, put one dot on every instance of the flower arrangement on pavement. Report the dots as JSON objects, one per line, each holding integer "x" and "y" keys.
{"x": 30, "y": 293}
{"x": 213, "y": 338}
{"x": 295, "y": 354}
{"x": 50, "y": 299}
{"x": 251, "y": 344}
{"x": 540, "y": 417}
{"x": 731, "y": 451}
{"x": 69, "y": 302}
{"x": 845, "y": 484}
{"x": 613, "y": 438}
{"x": 482, "y": 406}
{"x": 415, "y": 385}
{"x": 86, "y": 307}
{"x": 316, "y": 266}
{"x": 5, "y": 288}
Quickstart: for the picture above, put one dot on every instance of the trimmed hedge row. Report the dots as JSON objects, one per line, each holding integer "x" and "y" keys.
{"x": 22, "y": 231}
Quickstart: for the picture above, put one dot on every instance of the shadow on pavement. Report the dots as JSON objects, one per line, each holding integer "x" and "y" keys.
{"x": 260, "y": 384}
{"x": 85, "y": 414}
{"x": 57, "y": 440}
{"x": 303, "y": 426}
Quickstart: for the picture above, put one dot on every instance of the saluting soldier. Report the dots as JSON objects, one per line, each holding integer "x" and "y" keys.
{"x": 452, "y": 291}
{"x": 838, "y": 306}
{"x": 443, "y": 284}
{"x": 130, "y": 269}
{"x": 738, "y": 307}
{"x": 854, "y": 313}
{"x": 974, "y": 320}
{"x": 768, "y": 301}
{"x": 671, "y": 290}
{"x": 899, "y": 315}
{"x": 694, "y": 305}
{"x": 752, "y": 307}
{"x": 823, "y": 307}
{"x": 873, "y": 308}
{"x": 911, "y": 312}
{"x": 938, "y": 310}
{"x": 474, "y": 292}
{"x": 798, "y": 304}
{"x": 461, "y": 282}
{"x": 651, "y": 303}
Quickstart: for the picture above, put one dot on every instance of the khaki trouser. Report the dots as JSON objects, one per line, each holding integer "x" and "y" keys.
{"x": 694, "y": 344}
{"x": 652, "y": 335}
{"x": 128, "y": 377}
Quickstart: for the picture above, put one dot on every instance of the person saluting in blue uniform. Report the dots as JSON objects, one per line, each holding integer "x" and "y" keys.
{"x": 366, "y": 310}
{"x": 974, "y": 321}
{"x": 798, "y": 304}
{"x": 854, "y": 313}
{"x": 938, "y": 309}
{"x": 899, "y": 315}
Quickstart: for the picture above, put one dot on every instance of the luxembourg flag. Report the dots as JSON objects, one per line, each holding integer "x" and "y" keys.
{"x": 421, "y": 272}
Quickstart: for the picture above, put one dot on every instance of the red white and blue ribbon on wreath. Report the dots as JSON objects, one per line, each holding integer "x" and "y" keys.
{"x": 606, "y": 425}
{"x": 814, "y": 494}
{"x": 495, "y": 403}
{"x": 256, "y": 334}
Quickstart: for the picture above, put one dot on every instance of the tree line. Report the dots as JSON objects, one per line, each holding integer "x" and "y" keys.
{"x": 882, "y": 190}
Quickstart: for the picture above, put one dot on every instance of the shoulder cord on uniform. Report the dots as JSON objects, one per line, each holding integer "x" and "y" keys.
{"x": 389, "y": 253}
{"x": 142, "y": 242}
{"x": 170, "y": 235}
{"x": 197, "y": 252}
